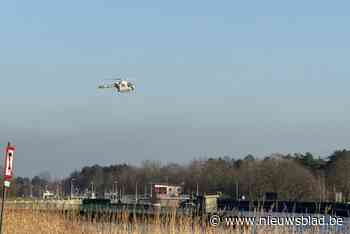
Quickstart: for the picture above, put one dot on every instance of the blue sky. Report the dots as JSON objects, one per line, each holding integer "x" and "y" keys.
{"x": 213, "y": 79}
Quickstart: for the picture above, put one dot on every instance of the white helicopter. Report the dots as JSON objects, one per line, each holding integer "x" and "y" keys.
{"x": 121, "y": 85}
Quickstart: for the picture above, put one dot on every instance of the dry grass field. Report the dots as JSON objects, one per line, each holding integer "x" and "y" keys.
{"x": 38, "y": 222}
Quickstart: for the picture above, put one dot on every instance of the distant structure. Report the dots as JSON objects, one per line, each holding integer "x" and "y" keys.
{"x": 111, "y": 195}
{"x": 48, "y": 195}
{"x": 92, "y": 194}
{"x": 164, "y": 194}
{"x": 338, "y": 197}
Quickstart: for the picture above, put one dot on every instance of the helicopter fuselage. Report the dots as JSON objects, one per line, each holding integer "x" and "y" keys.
{"x": 124, "y": 86}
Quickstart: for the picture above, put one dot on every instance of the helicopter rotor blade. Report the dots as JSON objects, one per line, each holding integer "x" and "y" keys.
{"x": 117, "y": 79}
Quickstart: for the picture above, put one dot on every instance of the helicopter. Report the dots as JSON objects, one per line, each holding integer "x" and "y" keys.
{"x": 121, "y": 85}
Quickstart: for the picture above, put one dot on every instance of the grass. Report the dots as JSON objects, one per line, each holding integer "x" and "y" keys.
{"x": 33, "y": 221}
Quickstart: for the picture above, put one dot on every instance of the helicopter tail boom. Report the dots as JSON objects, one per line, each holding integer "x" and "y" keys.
{"x": 105, "y": 86}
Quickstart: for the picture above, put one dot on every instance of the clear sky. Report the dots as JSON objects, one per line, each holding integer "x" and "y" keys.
{"x": 213, "y": 78}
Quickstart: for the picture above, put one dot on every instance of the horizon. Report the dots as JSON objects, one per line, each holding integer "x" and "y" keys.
{"x": 211, "y": 80}
{"x": 183, "y": 164}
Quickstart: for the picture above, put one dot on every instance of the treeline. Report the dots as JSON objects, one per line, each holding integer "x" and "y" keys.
{"x": 292, "y": 177}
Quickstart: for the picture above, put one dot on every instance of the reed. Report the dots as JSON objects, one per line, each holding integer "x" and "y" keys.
{"x": 44, "y": 222}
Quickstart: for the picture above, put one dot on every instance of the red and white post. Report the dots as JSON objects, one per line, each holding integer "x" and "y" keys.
{"x": 8, "y": 173}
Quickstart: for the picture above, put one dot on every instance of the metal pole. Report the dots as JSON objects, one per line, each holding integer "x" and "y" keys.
{"x": 3, "y": 193}
{"x": 237, "y": 191}
{"x": 92, "y": 190}
{"x": 116, "y": 190}
{"x": 57, "y": 191}
{"x": 2, "y": 204}
{"x": 150, "y": 191}
{"x": 71, "y": 188}
{"x": 136, "y": 194}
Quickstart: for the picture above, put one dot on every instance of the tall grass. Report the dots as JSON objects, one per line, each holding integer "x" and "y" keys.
{"x": 33, "y": 221}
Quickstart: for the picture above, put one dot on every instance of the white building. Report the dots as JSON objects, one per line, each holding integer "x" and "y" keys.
{"x": 48, "y": 195}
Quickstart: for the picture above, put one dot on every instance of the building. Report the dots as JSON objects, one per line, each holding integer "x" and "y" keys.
{"x": 48, "y": 195}
{"x": 165, "y": 194}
